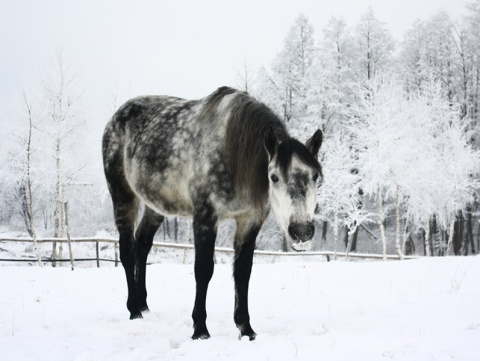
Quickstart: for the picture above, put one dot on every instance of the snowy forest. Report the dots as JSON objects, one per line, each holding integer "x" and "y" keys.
{"x": 401, "y": 151}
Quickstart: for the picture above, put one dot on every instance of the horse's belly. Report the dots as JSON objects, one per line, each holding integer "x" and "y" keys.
{"x": 170, "y": 205}
{"x": 171, "y": 198}
{"x": 166, "y": 194}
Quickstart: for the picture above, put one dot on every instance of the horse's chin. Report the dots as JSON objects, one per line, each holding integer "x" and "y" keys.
{"x": 301, "y": 246}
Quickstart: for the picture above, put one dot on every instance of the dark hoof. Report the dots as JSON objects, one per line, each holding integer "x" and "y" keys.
{"x": 200, "y": 333}
{"x": 251, "y": 336}
{"x": 247, "y": 331}
{"x": 134, "y": 316}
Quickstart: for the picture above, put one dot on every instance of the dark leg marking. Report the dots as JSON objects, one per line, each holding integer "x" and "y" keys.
{"x": 149, "y": 225}
{"x": 242, "y": 268}
{"x": 205, "y": 232}
{"x": 125, "y": 208}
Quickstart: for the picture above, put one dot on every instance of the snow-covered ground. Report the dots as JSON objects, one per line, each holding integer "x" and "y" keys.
{"x": 425, "y": 309}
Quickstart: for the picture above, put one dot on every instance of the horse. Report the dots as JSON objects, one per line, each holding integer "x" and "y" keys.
{"x": 225, "y": 156}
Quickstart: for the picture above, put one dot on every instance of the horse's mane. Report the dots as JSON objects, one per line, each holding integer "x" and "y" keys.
{"x": 245, "y": 152}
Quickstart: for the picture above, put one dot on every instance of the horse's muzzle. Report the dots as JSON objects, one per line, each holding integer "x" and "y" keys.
{"x": 301, "y": 232}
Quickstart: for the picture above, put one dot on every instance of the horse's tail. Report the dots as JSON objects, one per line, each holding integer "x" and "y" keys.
{"x": 125, "y": 202}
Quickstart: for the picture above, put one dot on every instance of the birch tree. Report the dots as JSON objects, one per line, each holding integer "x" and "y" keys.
{"x": 61, "y": 100}
{"x": 28, "y": 176}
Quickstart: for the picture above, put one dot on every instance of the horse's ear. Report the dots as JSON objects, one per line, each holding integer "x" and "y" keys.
{"x": 315, "y": 142}
{"x": 271, "y": 143}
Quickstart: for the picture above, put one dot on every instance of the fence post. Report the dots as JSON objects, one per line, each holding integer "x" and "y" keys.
{"x": 54, "y": 254}
{"x": 98, "y": 254}
{"x": 115, "y": 247}
{"x": 185, "y": 255}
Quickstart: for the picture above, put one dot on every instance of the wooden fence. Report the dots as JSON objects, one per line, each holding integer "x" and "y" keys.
{"x": 320, "y": 256}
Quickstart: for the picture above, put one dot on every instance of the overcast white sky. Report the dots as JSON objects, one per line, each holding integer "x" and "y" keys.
{"x": 176, "y": 47}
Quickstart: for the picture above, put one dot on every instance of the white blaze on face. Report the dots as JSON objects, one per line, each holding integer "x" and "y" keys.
{"x": 293, "y": 197}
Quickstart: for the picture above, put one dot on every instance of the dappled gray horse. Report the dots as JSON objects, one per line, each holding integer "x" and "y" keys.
{"x": 223, "y": 156}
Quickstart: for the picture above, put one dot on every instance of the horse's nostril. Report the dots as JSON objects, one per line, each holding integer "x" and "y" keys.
{"x": 301, "y": 232}
{"x": 309, "y": 230}
{"x": 292, "y": 231}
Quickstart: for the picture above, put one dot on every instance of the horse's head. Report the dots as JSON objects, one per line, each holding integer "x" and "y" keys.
{"x": 293, "y": 173}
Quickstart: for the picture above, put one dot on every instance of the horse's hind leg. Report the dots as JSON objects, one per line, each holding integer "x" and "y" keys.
{"x": 149, "y": 225}
{"x": 125, "y": 205}
{"x": 205, "y": 232}
{"x": 244, "y": 245}
{"x": 125, "y": 208}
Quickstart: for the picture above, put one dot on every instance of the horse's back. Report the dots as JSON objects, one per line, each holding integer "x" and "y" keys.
{"x": 165, "y": 148}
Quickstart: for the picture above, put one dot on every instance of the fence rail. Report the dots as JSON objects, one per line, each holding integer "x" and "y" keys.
{"x": 327, "y": 255}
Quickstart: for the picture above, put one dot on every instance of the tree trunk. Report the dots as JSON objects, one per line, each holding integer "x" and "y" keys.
{"x": 408, "y": 245}
{"x": 285, "y": 246}
{"x": 187, "y": 232}
{"x": 450, "y": 238}
{"x": 324, "y": 231}
{"x": 346, "y": 237}
{"x": 458, "y": 241}
{"x": 335, "y": 230}
{"x": 29, "y": 185}
{"x": 433, "y": 237}
{"x": 348, "y": 241}
{"x": 353, "y": 247}
{"x": 167, "y": 228}
{"x": 22, "y": 193}
{"x": 58, "y": 205}
{"x": 68, "y": 236}
{"x": 469, "y": 235}
{"x": 380, "y": 224}
{"x": 397, "y": 231}
{"x": 478, "y": 237}
{"x": 175, "y": 229}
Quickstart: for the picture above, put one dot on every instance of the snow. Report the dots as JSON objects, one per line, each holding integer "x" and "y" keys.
{"x": 424, "y": 309}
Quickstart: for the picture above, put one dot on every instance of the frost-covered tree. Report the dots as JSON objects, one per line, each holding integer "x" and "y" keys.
{"x": 290, "y": 71}
{"x": 464, "y": 57}
{"x": 471, "y": 30}
{"x": 413, "y": 46}
{"x": 331, "y": 94}
{"x": 380, "y": 138}
{"x": 439, "y": 55}
{"x": 429, "y": 51}
{"x": 61, "y": 99}
{"x": 416, "y": 153}
{"x": 338, "y": 197}
{"x": 373, "y": 45}
{"x": 28, "y": 178}
{"x": 454, "y": 155}
{"x": 61, "y": 121}
{"x": 245, "y": 76}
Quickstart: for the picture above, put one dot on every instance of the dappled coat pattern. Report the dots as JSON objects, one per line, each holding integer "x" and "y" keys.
{"x": 223, "y": 156}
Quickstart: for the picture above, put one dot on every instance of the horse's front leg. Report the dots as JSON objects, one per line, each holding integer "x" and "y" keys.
{"x": 205, "y": 231}
{"x": 245, "y": 237}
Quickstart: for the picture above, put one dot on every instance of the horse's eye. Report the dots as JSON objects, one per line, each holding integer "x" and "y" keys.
{"x": 274, "y": 178}
{"x": 315, "y": 177}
